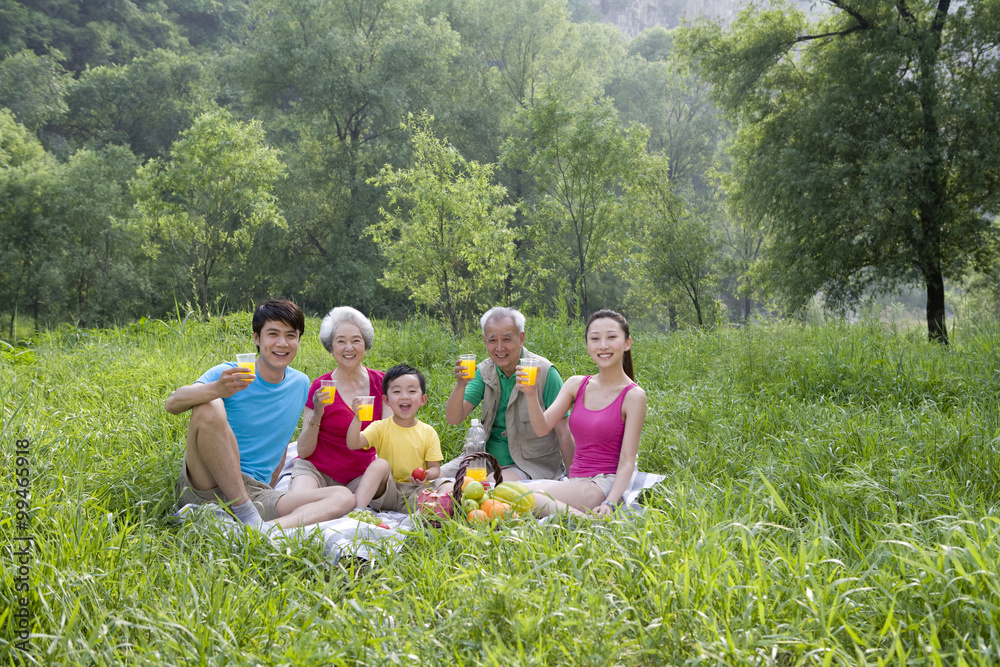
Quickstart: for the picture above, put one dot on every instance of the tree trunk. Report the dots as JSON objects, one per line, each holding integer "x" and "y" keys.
{"x": 937, "y": 326}
{"x": 203, "y": 297}
{"x": 81, "y": 299}
{"x": 932, "y": 218}
{"x": 449, "y": 306}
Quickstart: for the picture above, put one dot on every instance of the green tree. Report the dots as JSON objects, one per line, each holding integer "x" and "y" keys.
{"x": 335, "y": 81}
{"x": 29, "y": 235}
{"x": 88, "y": 33}
{"x": 523, "y": 48}
{"x": 67, "y": 251}
{"x": 509, "y": 50}
{"x": 582, "y": 161}
{"x": 445, "y": 230}
{"x": 104, "y": 276}
{"x": 143, "y": 105}
{"x": 683, "y": 258}
{"x": 516, "y": 43}
{"x": 654, "y": 86}
{"x": 210, "y": 24}
{"x": 867, "y": 143}
{"x": 34, "y": 88}
{"x": 679, "y": 257}
{"x": 205, "y": 206}
{"x": 744, "y": 243}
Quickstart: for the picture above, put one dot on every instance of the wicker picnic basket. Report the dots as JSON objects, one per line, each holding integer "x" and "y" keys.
{"x": 492, "y": 466}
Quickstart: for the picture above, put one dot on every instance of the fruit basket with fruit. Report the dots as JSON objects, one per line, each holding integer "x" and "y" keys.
{"x": 480, "y": 504}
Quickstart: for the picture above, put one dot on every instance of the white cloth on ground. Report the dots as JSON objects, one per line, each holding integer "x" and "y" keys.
{"x": 364, "y": 540}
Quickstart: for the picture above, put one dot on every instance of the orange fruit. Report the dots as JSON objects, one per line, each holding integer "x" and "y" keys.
{"x": 478, "y": 516}
{"x": 495, "y": 509}
{"x": 466, "y": 482}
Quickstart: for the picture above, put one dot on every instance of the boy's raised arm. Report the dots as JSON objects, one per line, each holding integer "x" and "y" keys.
{"x": 354, "y": 438}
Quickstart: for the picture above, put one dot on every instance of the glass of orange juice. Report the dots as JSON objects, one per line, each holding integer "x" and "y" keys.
{"x": 366, "y": 410}
{"x": 478, "y": 474}
{"x": 469, "y": 362}
{"x": 248, "y": 361}
{"x": 530, "y": 368}
{"x": 329, "y": 390}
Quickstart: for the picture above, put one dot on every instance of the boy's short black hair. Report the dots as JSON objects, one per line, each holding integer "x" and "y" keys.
{"x": 280, "y": 310}
{"x": 399, "y": 371}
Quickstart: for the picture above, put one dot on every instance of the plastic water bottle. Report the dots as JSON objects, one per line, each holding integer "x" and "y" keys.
{"x": 475, "y": 442}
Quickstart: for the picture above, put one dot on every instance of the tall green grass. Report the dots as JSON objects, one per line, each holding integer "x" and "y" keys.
{"x": 831, "y": 498}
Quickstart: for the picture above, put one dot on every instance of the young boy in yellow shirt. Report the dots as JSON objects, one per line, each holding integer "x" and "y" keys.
{"x": 402, "y": 440}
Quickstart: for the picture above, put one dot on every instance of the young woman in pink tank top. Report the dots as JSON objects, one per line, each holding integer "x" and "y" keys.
{"x": 609, "y": 410}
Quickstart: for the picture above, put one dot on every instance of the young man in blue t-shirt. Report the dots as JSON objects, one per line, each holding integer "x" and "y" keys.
{"x": 241, "y": 423}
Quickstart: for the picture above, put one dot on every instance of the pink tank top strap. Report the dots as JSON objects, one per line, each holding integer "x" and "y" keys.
{"x": 621, "y": 397}
{"x": 616, "y": 403}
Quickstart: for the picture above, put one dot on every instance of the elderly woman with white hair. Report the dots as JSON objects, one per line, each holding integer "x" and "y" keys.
{"x": 324, "y": 457}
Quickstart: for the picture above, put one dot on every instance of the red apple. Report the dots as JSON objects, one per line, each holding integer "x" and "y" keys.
{"x": 419, "y": 474}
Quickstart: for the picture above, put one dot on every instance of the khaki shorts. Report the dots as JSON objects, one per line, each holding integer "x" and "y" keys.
{"x": 603, "y": 482}
{"x": 302, "y": 467}
{"x": 261, "y": 494}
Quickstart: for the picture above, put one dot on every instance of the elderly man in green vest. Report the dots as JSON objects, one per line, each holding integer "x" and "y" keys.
{"x": 521, "y": 453}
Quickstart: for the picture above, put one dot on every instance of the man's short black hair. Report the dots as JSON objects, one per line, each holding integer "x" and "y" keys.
{"x": 399, "y": 371}
{"x": 280, "y": 310}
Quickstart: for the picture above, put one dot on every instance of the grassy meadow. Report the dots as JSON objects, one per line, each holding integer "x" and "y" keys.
{"x": 831, "y": 498}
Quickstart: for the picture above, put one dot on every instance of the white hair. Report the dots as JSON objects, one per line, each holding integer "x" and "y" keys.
{"x": 502, "y": 313}
{"x": 338, "y": 316}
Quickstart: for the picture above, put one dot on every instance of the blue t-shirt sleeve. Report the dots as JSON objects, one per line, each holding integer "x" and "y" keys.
{"x": 214, "y": 373}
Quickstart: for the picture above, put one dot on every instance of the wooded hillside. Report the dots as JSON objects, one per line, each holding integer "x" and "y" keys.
{"x": 182, "y": 155}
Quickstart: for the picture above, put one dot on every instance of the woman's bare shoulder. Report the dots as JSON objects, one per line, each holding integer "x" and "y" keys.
{"x": 636, "y": 396}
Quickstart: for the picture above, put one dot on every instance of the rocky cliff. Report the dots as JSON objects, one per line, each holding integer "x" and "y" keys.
{"x": 633, "y": 16}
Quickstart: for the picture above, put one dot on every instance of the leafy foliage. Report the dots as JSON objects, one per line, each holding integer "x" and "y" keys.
{"x": 338, "y": 79}
{"x": 98, "y": 34}
{"x": 205, "y": 206}
{"x": 862, "y": 143}
{"x": 89, "y": 33}
{"x": 680, "y": 245}
{"x": 445, "y": 229}
{"x": 68, "y": 248}
{"x": 331, "y": 82}
{"x": 581, "y": 160}
{"x": 33, "y": 88}
{"x": 101, "y": 279}
{"x": 27, "y": 178}
{"x": 654, "y": 86}
{"x": 143, "y": 105}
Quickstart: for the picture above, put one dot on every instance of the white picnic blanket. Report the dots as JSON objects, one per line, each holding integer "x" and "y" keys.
{"x": 364, "y": 540}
